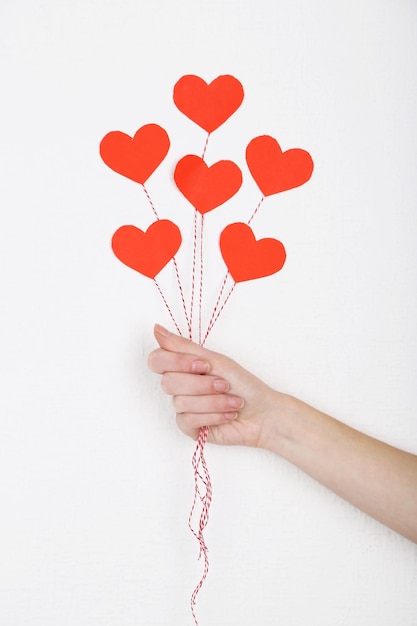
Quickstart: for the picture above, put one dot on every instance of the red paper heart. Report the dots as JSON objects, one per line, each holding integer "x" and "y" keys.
{"x": 207, "y": 187}
{"x": 135, "y": 158}
{"x": 147, "y": 252}
{"x": 274, "y": 170}
{"x": 245, "y": 257}
{"x": 208, "y": 105}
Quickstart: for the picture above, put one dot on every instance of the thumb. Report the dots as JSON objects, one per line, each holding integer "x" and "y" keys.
{"x": 175, "y": 343}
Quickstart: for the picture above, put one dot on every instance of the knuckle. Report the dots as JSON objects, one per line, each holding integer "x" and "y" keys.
{"x": 155, "y": 361}
{"x": 151, "y": 361}
{"x": 180, "y": 421}
{"x": 178, "y": 404}
{"x": 184, "y": 362}
{"x": 166, "y": 383}
{"x": 187, "y": 420}
{"x": 220, "y": 403}
{"x": 185, "y": 423}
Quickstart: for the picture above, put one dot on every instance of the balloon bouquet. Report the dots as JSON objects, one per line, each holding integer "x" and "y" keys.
{"x": 205, "y": 187}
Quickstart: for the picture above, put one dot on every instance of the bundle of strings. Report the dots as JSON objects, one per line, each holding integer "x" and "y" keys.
{"x": 200, "y": 509}
{"x": 202, "y": 496}
{"x": 203, "y": 492}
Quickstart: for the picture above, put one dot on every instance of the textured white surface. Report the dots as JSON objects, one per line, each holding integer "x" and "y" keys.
{"x": 95, "y": 480}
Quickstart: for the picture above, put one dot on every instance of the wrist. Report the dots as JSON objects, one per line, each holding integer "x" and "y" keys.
{"x": 280, "y": 423}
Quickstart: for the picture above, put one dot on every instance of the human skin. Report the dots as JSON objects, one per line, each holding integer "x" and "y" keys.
{"x": 210, "y": 389}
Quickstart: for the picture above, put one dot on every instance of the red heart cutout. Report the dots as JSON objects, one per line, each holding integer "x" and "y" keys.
{"x": 245, "y": 257}
{"x": 274, "y": 170}
{"x": 135, "y": 158}
{"x": 208, "y": 105}
{"x": 207, "y": 187}
{"x": 147, "y": 252}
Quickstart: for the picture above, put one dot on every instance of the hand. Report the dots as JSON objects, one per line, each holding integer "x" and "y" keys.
{"x": 210, "y": 389}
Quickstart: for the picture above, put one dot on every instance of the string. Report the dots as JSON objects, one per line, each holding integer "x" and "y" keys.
{"x": 177, "y": 274}
{"x": 205, "y": 146}
{"x": 194, "y": 259}
{"x": 184, "y": 306}
{"x": 202, "y": 481}
{"x": 193, "y": 273}
{"x": 203, "y": 492}
{"x": 216, "y": 305}
{"x": 210, "y": 328}
{"x": 256, "y": 210}
{"x": 167, "y": 306}
{"x": 198, "y": 457}
{"x": 216, "y": 311}
{"x": 200, "y": 299}
{"x": 150, "y": 201}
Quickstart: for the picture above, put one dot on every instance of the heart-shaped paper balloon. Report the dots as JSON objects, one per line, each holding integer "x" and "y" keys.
{"x": 138, "y": 157}
{"x": 208, "y": 105}
{"x": 147, "y": 252}
{"x": 245, "y": 257}
{"x": 274, "y": 170}
{"x": 207, "y": 187}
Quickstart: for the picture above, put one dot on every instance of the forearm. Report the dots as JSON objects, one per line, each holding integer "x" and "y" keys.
{"x": 373, "y": 476}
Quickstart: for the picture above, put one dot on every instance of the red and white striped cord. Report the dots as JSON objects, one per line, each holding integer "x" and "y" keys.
{"x": 200, "y": 508}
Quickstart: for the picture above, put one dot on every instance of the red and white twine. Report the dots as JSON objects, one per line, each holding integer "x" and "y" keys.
{"x": 200, "y": 509}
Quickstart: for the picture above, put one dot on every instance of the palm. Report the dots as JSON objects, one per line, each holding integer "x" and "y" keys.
{"x": 239, "y": 432}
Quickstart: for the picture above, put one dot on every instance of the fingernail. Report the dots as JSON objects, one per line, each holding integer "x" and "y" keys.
{"x": 200, "y": 367}
{"x": 221, "y": 385}
{"x": 231, "y": 416}
{"x": 235, "y": 402}
{"x": 161, "y": 330}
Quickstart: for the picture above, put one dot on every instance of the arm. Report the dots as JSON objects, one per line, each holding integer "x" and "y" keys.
{"x": 211, "y": 389}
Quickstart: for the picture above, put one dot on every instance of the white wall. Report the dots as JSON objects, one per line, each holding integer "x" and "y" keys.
{"x": 96, "y": 481}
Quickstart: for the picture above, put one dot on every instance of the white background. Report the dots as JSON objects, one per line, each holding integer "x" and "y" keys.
{"x": 96, "y": 482}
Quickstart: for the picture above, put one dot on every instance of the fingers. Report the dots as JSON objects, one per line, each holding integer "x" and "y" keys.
{"x": 161, "y": 361}
{"x": 176, "y": 384}
{"x": 182, "y": 378}
{"x": 217, "y": 404}
{"x": 193, "y": 393}
{"x": 196, "y": 379}
{"x": 191, "y": 423}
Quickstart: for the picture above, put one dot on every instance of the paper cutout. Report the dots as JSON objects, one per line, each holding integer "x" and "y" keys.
{"x": 247, "y": 258}
{"x": 147, "y": 252}
{"x": 207, "y": 187}
{"x": 138, "y": 157}
{"x": 274, "y": 170}
{"x": 208, "y": 105}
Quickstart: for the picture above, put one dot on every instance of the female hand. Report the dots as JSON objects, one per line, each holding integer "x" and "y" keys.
{"x": 210, "y": 389}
